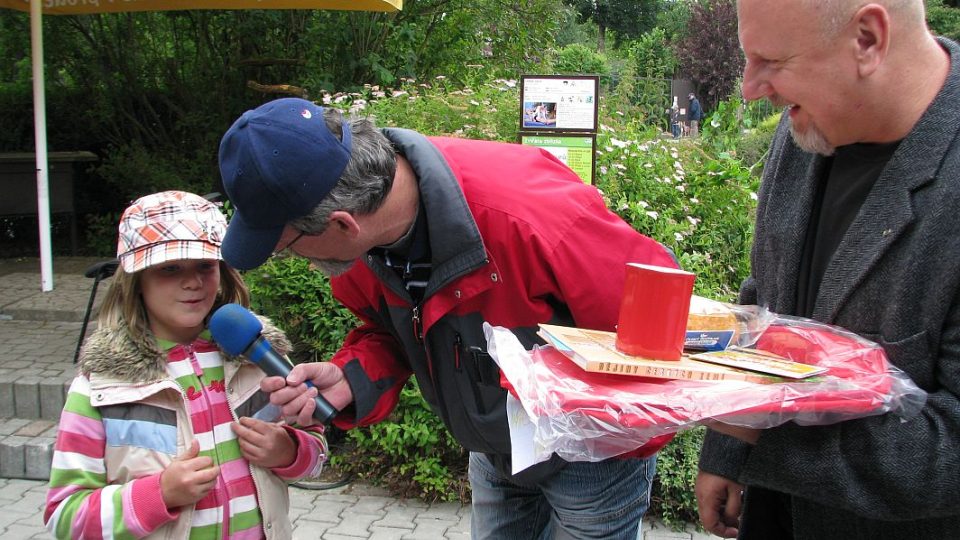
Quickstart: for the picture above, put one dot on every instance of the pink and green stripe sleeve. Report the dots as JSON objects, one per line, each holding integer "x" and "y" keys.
{"x": 311, "y": 454}
{"x": 80, "y": 503}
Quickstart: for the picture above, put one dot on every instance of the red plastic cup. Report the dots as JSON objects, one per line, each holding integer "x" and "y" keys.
{"x": 654, "y": 311}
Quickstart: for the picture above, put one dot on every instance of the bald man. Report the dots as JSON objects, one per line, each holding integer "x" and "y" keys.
{"x": 856, "y": 227}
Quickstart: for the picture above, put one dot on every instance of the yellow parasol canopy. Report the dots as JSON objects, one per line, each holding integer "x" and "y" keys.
{"x": 85, "y": 7}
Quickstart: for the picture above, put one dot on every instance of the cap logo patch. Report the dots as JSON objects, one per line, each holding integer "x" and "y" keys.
{"x": 306, "y": 114}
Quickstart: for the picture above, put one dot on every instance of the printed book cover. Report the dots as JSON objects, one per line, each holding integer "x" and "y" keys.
{"x": 763, "y": 361}
{"x": 595, "y": 350}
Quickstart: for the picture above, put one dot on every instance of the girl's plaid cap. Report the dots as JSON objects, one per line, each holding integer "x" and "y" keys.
{"x": 169, "y": 226}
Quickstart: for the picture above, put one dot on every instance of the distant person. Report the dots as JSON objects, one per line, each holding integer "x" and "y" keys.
{"x": 694, "y": 115}
{"x": 428, "y": 239}
{"x": 163, "y": 435}
{"x": 856, "y": 226}
{"x": 674, "y": 112}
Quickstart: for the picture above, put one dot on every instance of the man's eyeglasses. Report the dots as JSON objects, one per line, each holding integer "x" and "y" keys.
{"x": 290, "y": 243}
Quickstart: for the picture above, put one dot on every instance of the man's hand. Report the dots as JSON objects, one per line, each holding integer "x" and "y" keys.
{"x": 747, "y": 435}
{"x": 188, "y": 478}
{"x": 264, "y": 443}
{"x": 718, "y": 502}
{"x": 295, "y": 398}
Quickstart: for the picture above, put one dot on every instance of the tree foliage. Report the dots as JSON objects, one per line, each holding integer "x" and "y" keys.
{"x": 709, "y": 52}
{"x": 158, "y": 89}
{"x": 644, "y": 87}
{"x": 628, "y": 18}
{"x": 943, "y": 19}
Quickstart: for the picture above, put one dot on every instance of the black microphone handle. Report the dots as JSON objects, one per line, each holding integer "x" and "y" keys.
{"x": 270, "y": 362}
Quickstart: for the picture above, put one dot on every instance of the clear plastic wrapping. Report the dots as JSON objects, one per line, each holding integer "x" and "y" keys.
{"x": 587, "y": 416}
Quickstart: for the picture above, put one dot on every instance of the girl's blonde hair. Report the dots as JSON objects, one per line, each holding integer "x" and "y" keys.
{"x": 123, "y": 307}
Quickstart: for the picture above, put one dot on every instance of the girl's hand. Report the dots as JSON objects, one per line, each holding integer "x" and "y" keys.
{"x": 188, "y": 478}
{"x": 265, "y": 444}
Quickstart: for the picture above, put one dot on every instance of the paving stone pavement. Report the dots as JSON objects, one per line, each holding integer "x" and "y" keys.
{"x": 351, "y": 512}
{"x": 38, "y": 333}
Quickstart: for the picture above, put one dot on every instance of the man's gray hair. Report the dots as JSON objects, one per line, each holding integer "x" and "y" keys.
{"x": 834, "y": 14}
{"x": 366, "y": 180}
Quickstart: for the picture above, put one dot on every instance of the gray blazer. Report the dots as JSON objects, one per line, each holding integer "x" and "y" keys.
{"x": 894, "y": 279}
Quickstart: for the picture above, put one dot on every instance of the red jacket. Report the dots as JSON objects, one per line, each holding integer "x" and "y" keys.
{"x": 516, "y": 239}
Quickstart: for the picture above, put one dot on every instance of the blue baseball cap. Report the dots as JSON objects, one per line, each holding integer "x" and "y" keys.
{"x": 278, "y": 162}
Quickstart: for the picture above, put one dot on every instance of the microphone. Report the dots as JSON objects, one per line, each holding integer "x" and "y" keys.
{"x": 238, "y": 331}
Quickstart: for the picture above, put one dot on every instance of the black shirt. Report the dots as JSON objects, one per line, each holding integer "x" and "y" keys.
{"x": 841, "y": 191}
{"x": 409, "y": 257}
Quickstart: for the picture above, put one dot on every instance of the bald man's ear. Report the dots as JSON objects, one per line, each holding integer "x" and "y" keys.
{"x": 872, "y": 27}
{"x": 344, "y": 223}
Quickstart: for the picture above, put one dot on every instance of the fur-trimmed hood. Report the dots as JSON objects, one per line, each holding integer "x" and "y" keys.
{"x": 114, "y": 353}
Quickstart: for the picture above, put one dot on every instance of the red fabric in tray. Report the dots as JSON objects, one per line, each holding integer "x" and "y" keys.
{"x": 857, "y": 383}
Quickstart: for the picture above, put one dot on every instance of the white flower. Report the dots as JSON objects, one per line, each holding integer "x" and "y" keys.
{"x": 681, "y": 189}
{"x": 648, "y": 165}
{"x": 715, "y": 123}
{"x": 753, "y": 195}
{"x": 678, "y": 236}
{"x": 618, "y": 143}
{"x": 693, "y": 221}
{"x": 653, "y": 214}
{"x": 694, "y": 200}
{"x": 643, "y": 204}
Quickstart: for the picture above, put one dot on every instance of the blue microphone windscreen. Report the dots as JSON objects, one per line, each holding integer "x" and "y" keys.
{"x": 234, "y": 328}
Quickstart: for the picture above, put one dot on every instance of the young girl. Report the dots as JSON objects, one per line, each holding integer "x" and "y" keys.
{"x": 162, "y": 435}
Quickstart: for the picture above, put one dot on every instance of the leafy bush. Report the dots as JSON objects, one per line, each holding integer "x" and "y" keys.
{"x": 672, "y": 498}
{"x": 132, "y": 171}
{"x": 579, "y": 58}
{"x": 742, "y": 130}
{"x": 298, "y": 299}
{"x": 483, "y": 110}
{"x": 943, "y": 20}
{"x": 754, "y": 143}
{"x": 644, "y": 81}
{"x": 676, "y": 194}
{"x": 412, "y": 452}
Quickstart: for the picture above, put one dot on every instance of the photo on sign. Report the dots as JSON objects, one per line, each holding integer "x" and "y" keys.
{"x": 537, "y": 114}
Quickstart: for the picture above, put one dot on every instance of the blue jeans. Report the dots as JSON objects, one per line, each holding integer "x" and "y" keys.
{"x": 582, "y": 500}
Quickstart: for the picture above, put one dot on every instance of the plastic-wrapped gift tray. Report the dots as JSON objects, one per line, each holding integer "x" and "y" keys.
{"x": 585, "y": 415}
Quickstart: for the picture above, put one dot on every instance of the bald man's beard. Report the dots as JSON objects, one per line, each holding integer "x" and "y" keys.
{"x": 811, "y": 140}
